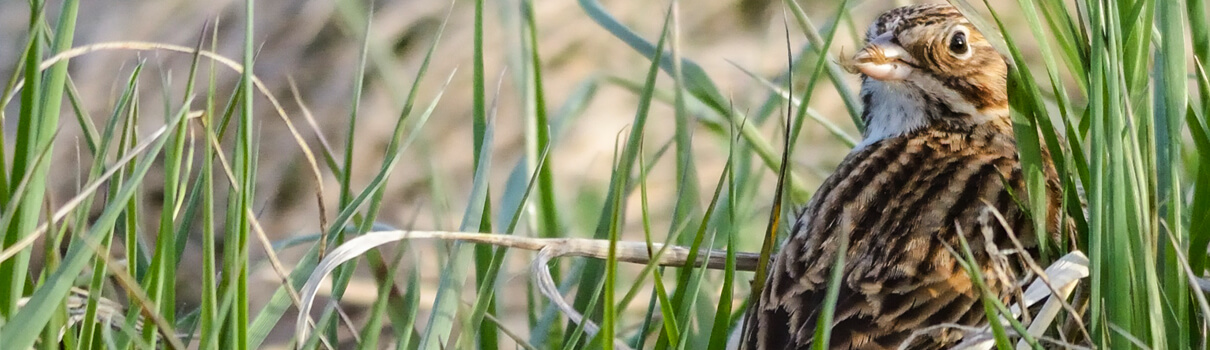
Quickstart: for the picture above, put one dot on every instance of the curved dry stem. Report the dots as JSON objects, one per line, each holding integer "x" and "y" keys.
{"x": 547, "y": 248}
{"x": 545, "y": 282}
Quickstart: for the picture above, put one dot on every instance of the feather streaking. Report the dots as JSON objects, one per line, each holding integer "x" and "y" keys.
{"x": 938, "y": 153}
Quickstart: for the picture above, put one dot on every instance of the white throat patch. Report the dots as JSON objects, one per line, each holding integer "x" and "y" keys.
{"x": 899, "y": 108}
{"x": 894, "y": 109}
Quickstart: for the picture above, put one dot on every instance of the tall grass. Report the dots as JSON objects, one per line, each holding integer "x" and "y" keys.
{"x": 1125, "y": 137}
{"x": 1115, "y": 96}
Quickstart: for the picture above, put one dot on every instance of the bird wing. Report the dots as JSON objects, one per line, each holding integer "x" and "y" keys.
{"x": 896, "y": 203}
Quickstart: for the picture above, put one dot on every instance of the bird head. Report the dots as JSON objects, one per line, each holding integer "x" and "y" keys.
{"x": 928, "y": 66}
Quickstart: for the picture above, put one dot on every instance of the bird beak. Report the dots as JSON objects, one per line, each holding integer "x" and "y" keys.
{"x": 883, "y": 60}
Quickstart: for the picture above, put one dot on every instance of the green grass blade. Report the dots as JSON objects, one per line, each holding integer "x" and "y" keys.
{"x": 486, "y": 291}
{"x": 820, "y": 46}
{"x": 1171, "y": 97}
{"x": 659, "y": 291}
{"x": 593, "y": 272}
{"x": 820, "y": 63}
{"x": 487, "y": 335}
{"x": 23, "y": 328}
{"x": 690, "y": 277}
{"x": 775, "y": 216}
{"x": 720, "y": 330}
{"x": 246, "y": 178}
{"x": 32, "y": 126}
{"x": 355, "y": 106}
{"x": 840, "y": 134}
{"x": 695, "y": 81}
{"x": 272, "y": 311}
{"x": 445, "y": 304}
{"x": 547, "y": 213}
{"x": 1199, "y": 206}
{"x": 87, "y": 335}
{"x": 609, "y": 315}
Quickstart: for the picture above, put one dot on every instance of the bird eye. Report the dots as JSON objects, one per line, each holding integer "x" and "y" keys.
{"x": 958, "y": 45}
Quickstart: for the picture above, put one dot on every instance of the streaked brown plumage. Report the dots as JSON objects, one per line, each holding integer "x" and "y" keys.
{"x": 939, "y": 145}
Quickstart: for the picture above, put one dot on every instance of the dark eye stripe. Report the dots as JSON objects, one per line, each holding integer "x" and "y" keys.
{"x": 979, "y": 95}
{"x": 970, "y": 92}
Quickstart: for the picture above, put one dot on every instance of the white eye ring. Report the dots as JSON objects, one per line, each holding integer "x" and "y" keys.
{"x": 958, "y": 43}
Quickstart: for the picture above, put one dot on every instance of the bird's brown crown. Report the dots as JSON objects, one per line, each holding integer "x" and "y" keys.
{"x": 926, "y": 66}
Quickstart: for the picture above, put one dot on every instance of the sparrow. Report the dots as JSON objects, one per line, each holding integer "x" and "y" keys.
{"x": 938, "y": 153}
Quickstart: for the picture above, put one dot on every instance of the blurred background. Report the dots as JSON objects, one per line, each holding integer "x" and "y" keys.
{"x": 309, "y": 54}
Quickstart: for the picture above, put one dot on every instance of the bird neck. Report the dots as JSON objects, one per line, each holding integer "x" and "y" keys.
{"x": 895, "y": 109}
